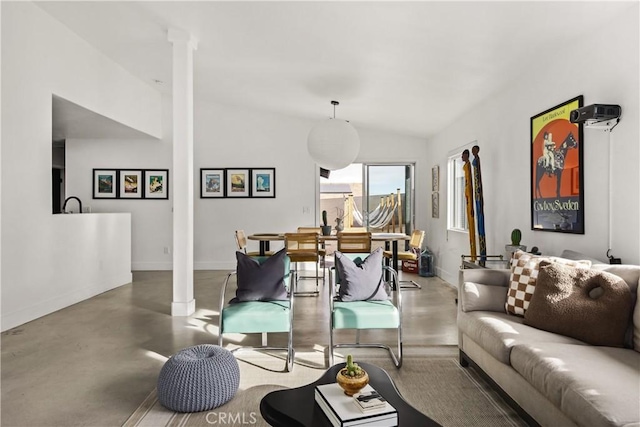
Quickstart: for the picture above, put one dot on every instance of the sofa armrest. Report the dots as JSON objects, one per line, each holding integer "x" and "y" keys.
{"x": 486, "y": 276}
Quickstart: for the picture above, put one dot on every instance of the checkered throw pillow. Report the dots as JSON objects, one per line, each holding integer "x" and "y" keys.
{"x": 522, "y": 282}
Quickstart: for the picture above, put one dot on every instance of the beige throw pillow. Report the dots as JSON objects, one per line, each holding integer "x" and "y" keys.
{"x": 524, "y": 273}
{"x": 563, "y": 304}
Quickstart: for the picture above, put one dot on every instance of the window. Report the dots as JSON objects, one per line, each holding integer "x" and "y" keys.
{"x": 456, "y": 206}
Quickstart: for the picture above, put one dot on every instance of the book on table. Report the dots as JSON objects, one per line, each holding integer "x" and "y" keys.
{"x": 345, "y": 411}
{"x": 369, "y": 400}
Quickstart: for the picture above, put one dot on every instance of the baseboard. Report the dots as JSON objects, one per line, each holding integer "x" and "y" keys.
{"x": 214, "y": 265}
{"x": 466, "y": 361}
{"x": 42, "y": 308}
{"x": 447, "y": 277}
{"x": 151, "y": 266}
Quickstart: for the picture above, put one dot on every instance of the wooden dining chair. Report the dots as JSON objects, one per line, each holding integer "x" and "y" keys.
{"x": 303, "y": 247}
{"x": 354, "y": 242}
{"x": 414, "y": 252}
{"x": 241, "y": 243}
{"x": 322, "y": 251}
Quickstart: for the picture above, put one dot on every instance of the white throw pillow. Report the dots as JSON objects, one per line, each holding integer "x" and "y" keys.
{"x": 477, "y": 297}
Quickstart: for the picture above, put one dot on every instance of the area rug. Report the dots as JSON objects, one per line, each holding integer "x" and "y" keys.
{"x": 436, "y": 385}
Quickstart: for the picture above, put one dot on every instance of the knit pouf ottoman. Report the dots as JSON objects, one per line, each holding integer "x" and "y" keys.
{"x": 198, "y": 378}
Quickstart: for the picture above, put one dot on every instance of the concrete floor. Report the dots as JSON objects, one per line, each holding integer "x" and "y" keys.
{"x": 93, "y": 363}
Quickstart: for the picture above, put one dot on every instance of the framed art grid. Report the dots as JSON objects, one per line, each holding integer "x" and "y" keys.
{"x": 263, "y": 182}
{"x": 238, "y": 183}
{"x": 105, "y": 183}
{"x": 156, "y": 184}
{"x": 130, "y": 184}
{"x": 212, "y": 183}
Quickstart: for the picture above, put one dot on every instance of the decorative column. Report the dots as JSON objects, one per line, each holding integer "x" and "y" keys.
{"x": 182, "y": 174}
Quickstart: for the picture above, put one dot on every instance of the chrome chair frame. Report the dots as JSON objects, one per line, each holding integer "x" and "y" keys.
{"x": 264, "y": 347}
{"x": 417, "y": 246}
{"x": 397, "y": 359}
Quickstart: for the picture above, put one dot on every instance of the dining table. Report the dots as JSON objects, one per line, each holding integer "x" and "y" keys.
{"x": 390, "y": 241}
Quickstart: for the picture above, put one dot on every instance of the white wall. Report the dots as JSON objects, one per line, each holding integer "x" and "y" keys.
{"x": 604, "y": 70}
{"x": 234, "y": 137}
{"x": 49, "y": 262}
{"x": 226, "y": 137}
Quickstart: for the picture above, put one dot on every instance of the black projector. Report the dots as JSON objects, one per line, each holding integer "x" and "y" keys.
{"x": 595, "y": 113}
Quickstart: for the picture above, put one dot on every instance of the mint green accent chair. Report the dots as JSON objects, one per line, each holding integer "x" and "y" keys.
{"x": 263, "y": 317}
{"x": 359, "y": 315}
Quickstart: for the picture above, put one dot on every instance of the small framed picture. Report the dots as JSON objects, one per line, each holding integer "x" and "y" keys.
{"x": 130, "y": 184}
{"x": 156, "y": 184}
{"x": 212, "y": 183}
{"x": 263, "y": 182}
{"x": 238, "y": 182}
{"x": 104, "y": 184}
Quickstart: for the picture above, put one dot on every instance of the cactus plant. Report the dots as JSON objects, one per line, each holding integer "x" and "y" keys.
{"x": 516, "y": 235}
{"x": 324, "y": 218}
{"x": 352, "y": 369}
{"x": 352, "y": 378}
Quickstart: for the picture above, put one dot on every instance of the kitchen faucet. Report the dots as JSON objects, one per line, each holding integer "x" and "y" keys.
{"x": 69, "y": 198}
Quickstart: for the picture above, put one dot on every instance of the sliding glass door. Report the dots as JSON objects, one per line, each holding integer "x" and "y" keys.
{"x": 377, "y": 196}
{"x": 388, "y": 190}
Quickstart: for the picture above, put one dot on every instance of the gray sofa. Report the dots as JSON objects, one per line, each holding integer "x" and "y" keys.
{"x": 553, "y": 380}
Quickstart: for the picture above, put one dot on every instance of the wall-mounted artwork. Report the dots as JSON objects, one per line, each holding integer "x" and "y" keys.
{"x": 263, "y": 182}
{"x": 435, "y": 205}
{"x": 156, "y": 184}
{"x": 435, "y": 178}
{"x": 557, "y": 170}
{"x": 130, "y": 184}
{"x": 212, "y": 183}
{"x": 105, "y": 183}
{"x": 238, "y": 182}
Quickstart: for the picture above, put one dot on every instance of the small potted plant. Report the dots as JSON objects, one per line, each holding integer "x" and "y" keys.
{"x": 326, "y": 228}
{"x": 339, "y": 220}
{"x": 516, "y": 236}
{"x": 352, "y": 378}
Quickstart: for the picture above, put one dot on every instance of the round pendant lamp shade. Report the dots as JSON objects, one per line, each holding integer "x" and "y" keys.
{"x": 333, "y": 144}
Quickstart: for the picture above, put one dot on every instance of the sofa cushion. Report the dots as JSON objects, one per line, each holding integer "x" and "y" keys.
{"x": 563, "y": 304}
{"x": 499, "y": 332}
{"x": 524, "y": 273}
{"x": 631, "y": 275}
{"x": 594, "y": 386}
{"x": 475, "y": 296}
{"x": 636, "y": 323}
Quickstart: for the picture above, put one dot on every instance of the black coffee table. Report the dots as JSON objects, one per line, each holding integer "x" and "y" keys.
{"x": 297, "y": 406}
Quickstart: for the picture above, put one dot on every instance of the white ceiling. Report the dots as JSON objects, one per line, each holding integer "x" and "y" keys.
{"x": 405, "y": 67}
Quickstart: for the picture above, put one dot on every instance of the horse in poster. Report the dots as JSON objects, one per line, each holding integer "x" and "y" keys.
{"x": 555, "y": 168}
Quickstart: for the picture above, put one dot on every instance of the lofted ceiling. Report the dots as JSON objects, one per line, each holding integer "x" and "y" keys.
{"x": 406, "y": 67}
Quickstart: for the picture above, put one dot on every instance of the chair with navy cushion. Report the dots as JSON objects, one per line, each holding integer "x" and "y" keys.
{"x": 263, "y": 303}
{"x": 362, "y": 301}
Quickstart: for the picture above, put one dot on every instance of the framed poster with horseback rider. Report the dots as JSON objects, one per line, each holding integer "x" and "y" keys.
{"x": 557, "y": 191}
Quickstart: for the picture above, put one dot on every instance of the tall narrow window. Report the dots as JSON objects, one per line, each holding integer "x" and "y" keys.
{"x": 456, "y": 210}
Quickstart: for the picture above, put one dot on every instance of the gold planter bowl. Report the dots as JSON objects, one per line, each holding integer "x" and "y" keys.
{"x": 351, "y": 385}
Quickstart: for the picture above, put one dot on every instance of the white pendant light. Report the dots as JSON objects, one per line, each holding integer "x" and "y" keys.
{"x": 333, "y": 144}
